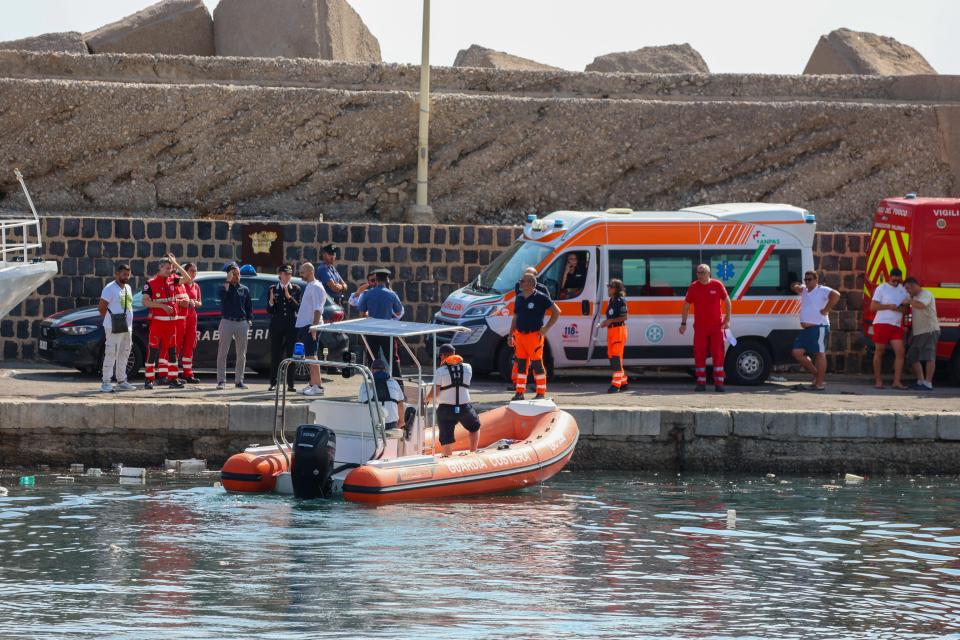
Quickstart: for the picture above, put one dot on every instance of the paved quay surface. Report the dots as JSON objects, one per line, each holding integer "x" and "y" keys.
{"x": 670, "y": 391}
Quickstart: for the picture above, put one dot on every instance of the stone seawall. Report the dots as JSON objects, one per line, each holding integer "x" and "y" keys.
{"x": 134, "y": 433}
{"x": 338, "y": 140}
{"x": 429, "y": 263}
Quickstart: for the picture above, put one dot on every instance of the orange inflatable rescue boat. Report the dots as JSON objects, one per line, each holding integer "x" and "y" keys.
{"x": 349, "y": 451}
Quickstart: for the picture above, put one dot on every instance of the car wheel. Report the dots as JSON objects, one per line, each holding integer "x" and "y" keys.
{"x": 748, "y": 363}
{"x": 134, "y": 361}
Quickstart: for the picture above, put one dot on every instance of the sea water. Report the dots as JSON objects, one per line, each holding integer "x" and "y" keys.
{"x": 589, "y": 555}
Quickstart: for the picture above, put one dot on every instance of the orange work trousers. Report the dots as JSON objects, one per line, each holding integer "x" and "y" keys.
{"x": 528, "y": 348}
{"x": 616, "y": 342}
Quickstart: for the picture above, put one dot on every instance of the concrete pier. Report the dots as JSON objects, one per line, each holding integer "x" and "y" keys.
{"x": 57, "y": 418}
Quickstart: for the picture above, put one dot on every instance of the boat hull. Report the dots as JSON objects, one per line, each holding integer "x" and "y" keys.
{"x": 19, "y": 279}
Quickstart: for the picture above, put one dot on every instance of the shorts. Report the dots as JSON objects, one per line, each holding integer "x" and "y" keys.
{"x": 813, "y": 339}
{"x": 309, "y": 342}
{"x": 886, "y": 333}
{"x": 923, "y": 347}
{"x": 447, "y": 421}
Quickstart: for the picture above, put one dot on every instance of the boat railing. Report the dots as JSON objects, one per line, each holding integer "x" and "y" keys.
{"x": 16, "y": 234}
{"x": 377, "y": 419}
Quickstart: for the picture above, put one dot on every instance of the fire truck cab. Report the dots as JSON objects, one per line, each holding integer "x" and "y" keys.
{"x": 921, "y": 237}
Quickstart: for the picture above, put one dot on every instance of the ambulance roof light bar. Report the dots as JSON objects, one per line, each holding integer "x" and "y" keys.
{"x": 910, "y": 196}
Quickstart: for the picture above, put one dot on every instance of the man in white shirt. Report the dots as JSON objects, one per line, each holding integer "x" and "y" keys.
{"x": 810, "y": 347}
{"x": 925, "y": 334}
{"x": 888, "y": 327}
{"x": 452, "y": 385}
{"x": 310, "y": 314}
{"x": 389, "y": 394}
{"x": 116, "y": 303}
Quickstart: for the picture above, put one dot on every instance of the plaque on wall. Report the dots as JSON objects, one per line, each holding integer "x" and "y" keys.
{"x": 262, "y": 245}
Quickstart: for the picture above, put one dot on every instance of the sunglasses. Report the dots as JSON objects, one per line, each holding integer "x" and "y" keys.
{"x": 808, "y": 279}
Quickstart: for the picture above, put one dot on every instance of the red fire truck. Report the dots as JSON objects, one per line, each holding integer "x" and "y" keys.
{"x": 921, "y": 237}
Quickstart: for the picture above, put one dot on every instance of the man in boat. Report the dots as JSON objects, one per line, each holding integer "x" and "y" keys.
{"x": 527, "y": 331}
{"x": 159, "y": 295}
{"x": 389, "y": 394}
{"x": 452, "y": 382}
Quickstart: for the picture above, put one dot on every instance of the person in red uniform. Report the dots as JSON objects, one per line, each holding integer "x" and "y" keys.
{"x": 616, "y": 326}
{"x": 709, "y": 299}
{"x": 159, "y": 295}
{"x": 527, "y": 331}
{"x": 187, "y": 331}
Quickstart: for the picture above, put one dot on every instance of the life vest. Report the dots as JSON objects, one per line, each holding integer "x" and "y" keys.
{"x": 454, "y": 365}
{"x": 161, "y": 290}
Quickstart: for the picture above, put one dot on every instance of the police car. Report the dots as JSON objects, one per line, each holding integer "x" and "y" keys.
{"x": 75, "y": 338}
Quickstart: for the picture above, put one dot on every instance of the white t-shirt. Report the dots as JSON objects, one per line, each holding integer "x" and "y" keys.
{"x": 889, "y": 294}
{"x": 118, "y": 300}
{"x": 391, "y": 410}
{"x": 811, "y": 302}
{"x": 449, "y": 396}
{"x": 314, "y": 297}
{"x": 925, "y": 320}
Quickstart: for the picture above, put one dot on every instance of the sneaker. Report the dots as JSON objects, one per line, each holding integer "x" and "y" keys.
{"x": 718, "y": 388}
{"x": 700, "y": 387}
{"x": 126, "y": 386}
{"x": 919, "y": 386}
{"x": 303, "y": 391}
{"x": 192, "y": 380}
{"x": 291, "y": 389}
{"x": 516, "y": 396}
{"x": 613, "y": 389}
{"x": 148, "y": 385}
{"x": 240, "y": 385}
{"x": 106, "y": 387}
{"x": 220, "y": 386}
{"x": 313, "y": 391}
{"x": 540, "y": 396}
{"x": 623, "y": 387}
{"x": 176, "y": 384}
{"x": 272, "y": 387}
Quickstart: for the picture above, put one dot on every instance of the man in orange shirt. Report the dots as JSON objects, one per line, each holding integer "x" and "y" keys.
{"x": 709, "y": 299}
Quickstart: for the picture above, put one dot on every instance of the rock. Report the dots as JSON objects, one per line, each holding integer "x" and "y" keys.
{"x": 174, "y": 27}
{"x": 857, "y": 52}
{"x": 68, "y": 42}
{"x": 325, "y": 29}
{"x": 477, "y": 56}
{"x": 671, "y": 58}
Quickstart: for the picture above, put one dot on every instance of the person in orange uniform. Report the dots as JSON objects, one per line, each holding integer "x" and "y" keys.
{"x": 159, "y": 296}
{"x": 709, "y": 299}
{"x": 527, "y": 331}
{"x": 187, "y": 331}
{"x": 616, "y": 325}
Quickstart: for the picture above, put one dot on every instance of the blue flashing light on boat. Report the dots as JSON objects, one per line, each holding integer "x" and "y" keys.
{"x": 558, "y": 224}
{"x": 531, "y": 217}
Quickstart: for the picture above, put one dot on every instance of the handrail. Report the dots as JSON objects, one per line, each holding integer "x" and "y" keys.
{"x": 22, "y": 226}
{"x": 377, "y": 419}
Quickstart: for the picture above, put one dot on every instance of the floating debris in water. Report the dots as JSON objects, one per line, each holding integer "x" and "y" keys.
{"x": 76, "y": 468}
{"x": 830, "y": 487}
{"x": 64, "y": 479}
{"x": 133, "y": 472}
{"x": 93, "y": 472}
{"x": 731, "y": 518}
{"x": 4, "y": 492}
{"x": 28, "y": 481}
{"x": 189, "y": 466}
{"x": 852, "y": 478}
{"x": 771, "y": 476}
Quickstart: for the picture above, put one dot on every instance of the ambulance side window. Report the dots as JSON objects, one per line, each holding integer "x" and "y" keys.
{"x": 781, "y": 268}
{"x": 654, "y": 273}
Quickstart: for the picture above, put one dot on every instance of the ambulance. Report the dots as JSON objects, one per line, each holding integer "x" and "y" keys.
{"x": 757, "y": 250}
{"x": 921, "y": 237}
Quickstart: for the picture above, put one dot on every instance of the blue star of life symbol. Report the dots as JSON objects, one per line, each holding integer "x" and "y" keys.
{"x": 725, "y": 270}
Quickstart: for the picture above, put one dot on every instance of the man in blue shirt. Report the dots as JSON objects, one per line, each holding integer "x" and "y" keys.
{"x": 527, "y": 331}
{"x": 328, "y": 275}
{"x": 236, "y": 318}
{"x": 381, "y": 302}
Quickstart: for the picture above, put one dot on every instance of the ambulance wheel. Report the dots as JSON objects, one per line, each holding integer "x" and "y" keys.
{"x": 748, "y": 363}
{"x": 134, "y": 361}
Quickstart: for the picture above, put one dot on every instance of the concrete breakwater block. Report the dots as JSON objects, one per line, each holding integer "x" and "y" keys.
{"x": 843, "y": 51}
{"x": 672, "y": 58}
{"x": 484, "y": 58}
{"x": 67, "y": 42}
{"x": 174, "y": 27}
{"x": 326, "y": 29}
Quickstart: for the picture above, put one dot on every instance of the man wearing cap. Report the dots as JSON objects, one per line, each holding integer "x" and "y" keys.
{"x": 283, "y": 303}
{"x": 527, "y": 331}
{"x": 328, "y": 275}
{"x": 310, "y": 314}
{"x": 236, "y": 318}
{"x": 389, "y": 394}
{"x": 381, "y": 302}
{"x": 159, "y": 295}
{"x": 452, "y": 383}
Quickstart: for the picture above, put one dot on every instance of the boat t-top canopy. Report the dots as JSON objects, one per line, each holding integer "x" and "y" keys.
{"x": 387, "y": 328}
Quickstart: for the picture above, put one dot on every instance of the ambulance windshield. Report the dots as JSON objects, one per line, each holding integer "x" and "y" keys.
{"x": 505, "y": 271}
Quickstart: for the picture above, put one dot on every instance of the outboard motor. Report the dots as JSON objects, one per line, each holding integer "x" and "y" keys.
{"x": 311, "y": 468}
